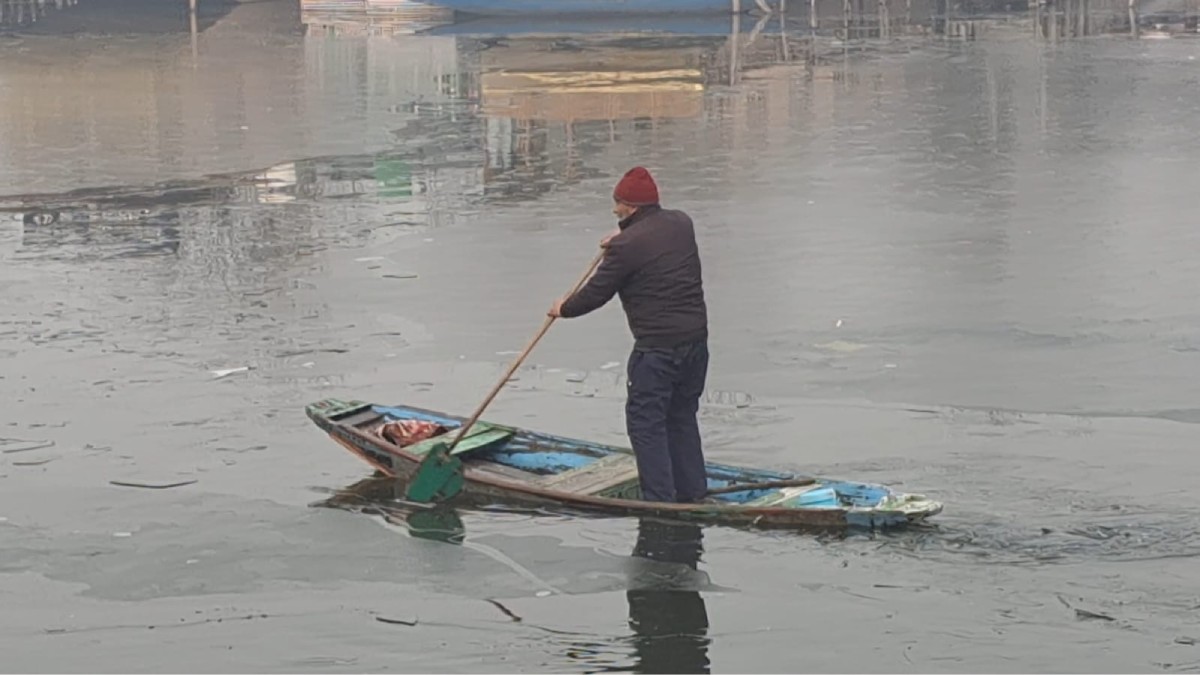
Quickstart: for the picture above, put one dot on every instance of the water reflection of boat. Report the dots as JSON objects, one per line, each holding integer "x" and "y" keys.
{"x": 584, "y": 74}
{"x": 530, "y": 79}
{"x": 509, "y": 26}
{"x": 544, "y": 98}
{"x": 380, "y": 497}
{"x": 590, "y": 7}
{"x": 667, "y": 616}
{"x": 370, "y": 17}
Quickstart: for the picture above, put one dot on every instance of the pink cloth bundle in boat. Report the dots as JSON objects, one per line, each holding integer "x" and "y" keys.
{"x": 407, "y": 432}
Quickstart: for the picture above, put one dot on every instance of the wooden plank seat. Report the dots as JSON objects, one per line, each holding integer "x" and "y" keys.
{"x": 603, "y": 474}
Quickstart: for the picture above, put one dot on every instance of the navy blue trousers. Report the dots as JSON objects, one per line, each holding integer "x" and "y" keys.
{"x": 664, "y": 390}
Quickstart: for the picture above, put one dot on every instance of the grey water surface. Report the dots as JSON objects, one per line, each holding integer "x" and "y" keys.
{"x": 954, "y": 255}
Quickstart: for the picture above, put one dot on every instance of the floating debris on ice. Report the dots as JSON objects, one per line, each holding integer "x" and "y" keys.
{"x": 226, "y": 372}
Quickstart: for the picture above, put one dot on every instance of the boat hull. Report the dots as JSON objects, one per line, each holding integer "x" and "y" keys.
{"x": 518, "y": 467}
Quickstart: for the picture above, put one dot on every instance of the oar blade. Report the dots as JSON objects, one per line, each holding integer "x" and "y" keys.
{"x": 438, "y": 478}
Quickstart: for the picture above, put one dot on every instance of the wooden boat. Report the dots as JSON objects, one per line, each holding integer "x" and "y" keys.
{"x": 528, "y": 468}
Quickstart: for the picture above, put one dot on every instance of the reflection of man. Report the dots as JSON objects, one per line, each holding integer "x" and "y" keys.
{"x": 670, "y": 627}
{"x": 653, "y": 262}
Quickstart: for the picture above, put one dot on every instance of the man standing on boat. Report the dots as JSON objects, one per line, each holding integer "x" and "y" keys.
{"x": 653, "y": 263}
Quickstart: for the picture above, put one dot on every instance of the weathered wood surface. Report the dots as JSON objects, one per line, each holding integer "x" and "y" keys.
{"x": 596, "y": 477}
{"x": 501, "y": 471}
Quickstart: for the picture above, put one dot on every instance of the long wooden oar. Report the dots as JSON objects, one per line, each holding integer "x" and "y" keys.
{"x": 521, "y": 359}
{"x": 440, "y": 473}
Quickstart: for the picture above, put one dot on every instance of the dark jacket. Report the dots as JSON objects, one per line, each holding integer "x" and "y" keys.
{"x": 654, "y": 264}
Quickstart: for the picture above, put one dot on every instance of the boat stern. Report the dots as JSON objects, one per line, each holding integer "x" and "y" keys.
{"x": 894, "y": 510}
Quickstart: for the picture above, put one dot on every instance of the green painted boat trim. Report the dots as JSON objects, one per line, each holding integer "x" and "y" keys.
{"x": 334, "y": 409}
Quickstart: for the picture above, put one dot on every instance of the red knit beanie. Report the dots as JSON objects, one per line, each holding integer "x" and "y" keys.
{"x": 636, "y": 188}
